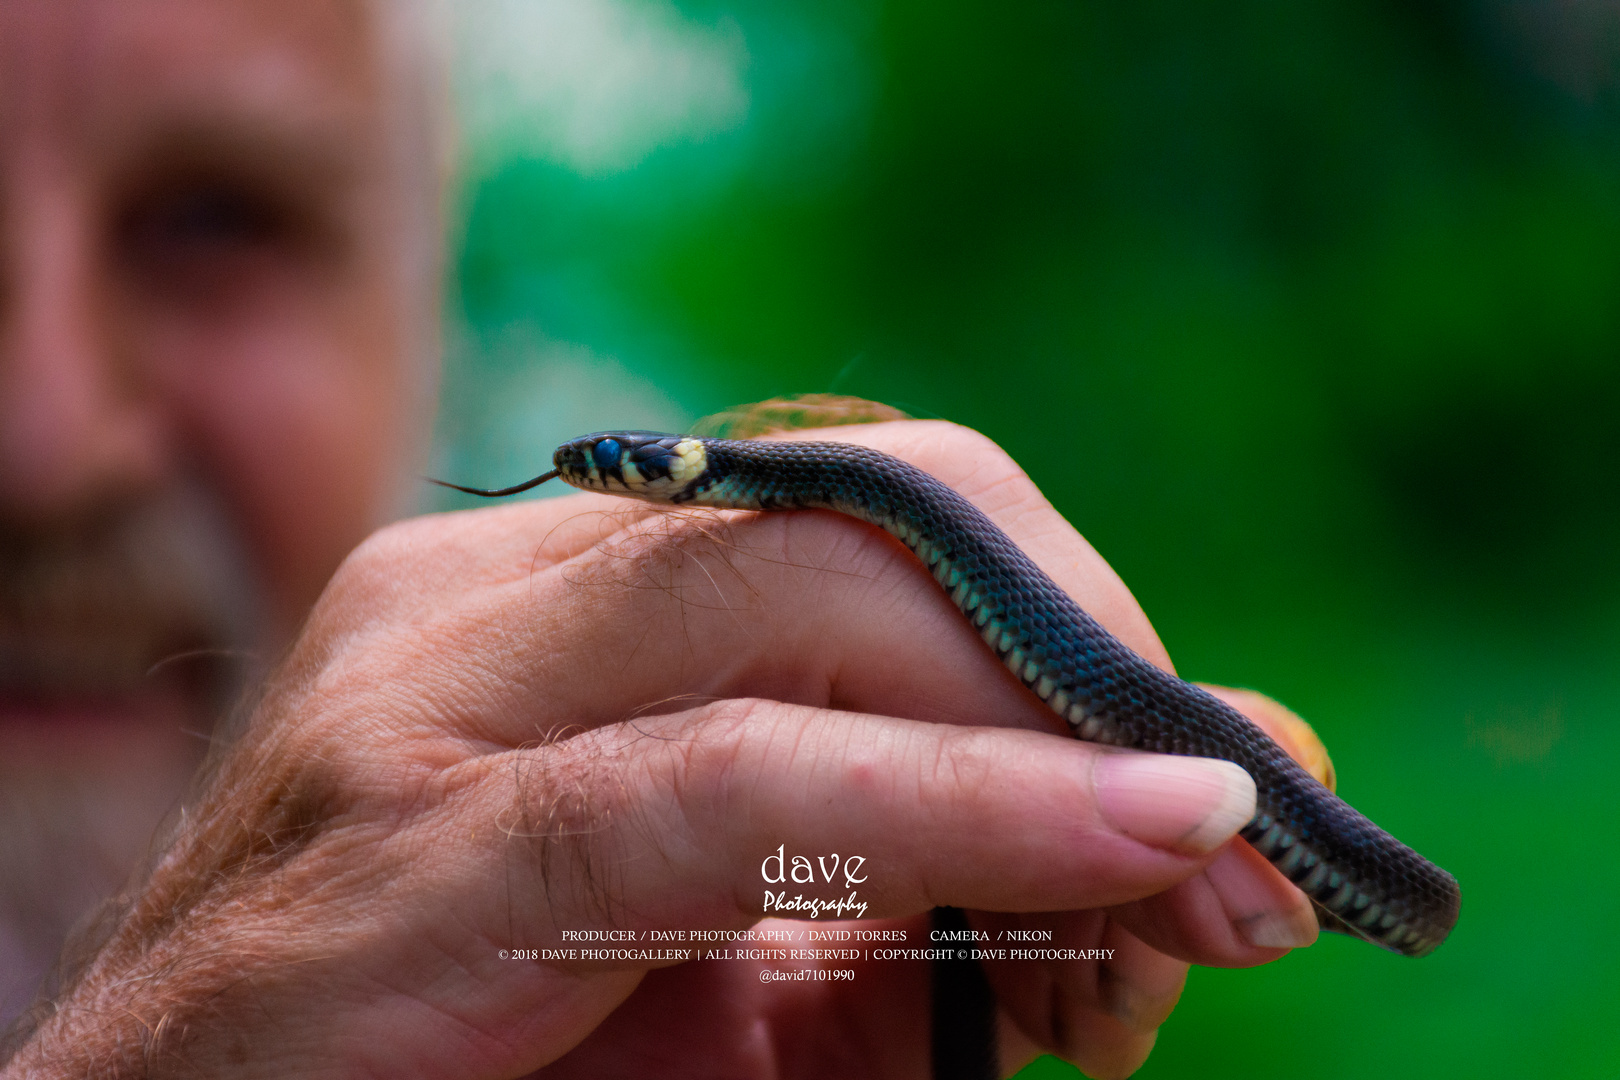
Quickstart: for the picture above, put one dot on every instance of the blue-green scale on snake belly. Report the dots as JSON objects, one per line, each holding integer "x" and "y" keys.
{"x": 1363, "y": 881}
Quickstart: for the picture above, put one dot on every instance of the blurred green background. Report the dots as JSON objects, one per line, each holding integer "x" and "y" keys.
{"x": 1306, "y": 315}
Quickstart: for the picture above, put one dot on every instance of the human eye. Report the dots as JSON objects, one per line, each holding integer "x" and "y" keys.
{"x": 202, "y": 228}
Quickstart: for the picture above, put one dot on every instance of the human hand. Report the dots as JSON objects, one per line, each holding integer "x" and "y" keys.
{"x": 581, "y": 715}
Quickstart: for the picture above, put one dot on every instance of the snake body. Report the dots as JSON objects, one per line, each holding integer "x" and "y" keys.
{"x": 1361, "y": 879}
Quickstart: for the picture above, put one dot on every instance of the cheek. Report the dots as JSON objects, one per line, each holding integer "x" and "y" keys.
{"x": 294, "y": 412}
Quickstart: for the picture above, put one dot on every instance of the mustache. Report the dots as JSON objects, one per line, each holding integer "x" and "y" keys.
{"x": 91, "y": 611}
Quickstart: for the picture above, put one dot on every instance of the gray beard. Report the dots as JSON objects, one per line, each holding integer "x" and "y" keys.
{"x": 73, "y": 828}
{"x": 121, "y": 641}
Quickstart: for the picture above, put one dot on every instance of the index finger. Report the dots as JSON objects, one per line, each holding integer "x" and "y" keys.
{"x": 615, "y": 611}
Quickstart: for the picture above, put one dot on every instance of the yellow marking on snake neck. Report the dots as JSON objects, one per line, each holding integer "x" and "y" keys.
{"x": 689, "y": 461}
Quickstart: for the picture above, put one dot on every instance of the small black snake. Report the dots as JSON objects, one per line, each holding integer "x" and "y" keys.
{"x": 1361, "y": 879}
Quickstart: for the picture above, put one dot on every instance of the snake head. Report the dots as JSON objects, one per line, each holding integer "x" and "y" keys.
{"x": 649, "y": 465}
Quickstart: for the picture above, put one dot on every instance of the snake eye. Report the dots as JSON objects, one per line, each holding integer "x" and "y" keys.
{"x": 606, "y": 453}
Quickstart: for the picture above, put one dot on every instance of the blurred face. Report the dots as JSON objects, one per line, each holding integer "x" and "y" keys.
{"x": 203, "y": 374}
{"x": 199, "y": 322}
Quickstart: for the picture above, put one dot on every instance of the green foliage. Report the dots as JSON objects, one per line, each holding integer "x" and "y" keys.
{"x": 1306, "y": 315}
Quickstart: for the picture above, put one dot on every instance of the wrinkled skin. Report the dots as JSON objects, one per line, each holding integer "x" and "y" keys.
{"x": 584, "y": 714}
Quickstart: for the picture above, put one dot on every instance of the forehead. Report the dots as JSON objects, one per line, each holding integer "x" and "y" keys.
{"x": 97, "y": 73}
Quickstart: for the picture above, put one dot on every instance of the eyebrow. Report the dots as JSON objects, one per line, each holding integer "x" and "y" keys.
{"x": 317, "y": 172}
{"x": 310, "y": 154}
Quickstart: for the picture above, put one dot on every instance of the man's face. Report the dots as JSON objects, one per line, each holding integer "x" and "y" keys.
{"x": 199, "y": 312}
{"x": 203, "y": 375}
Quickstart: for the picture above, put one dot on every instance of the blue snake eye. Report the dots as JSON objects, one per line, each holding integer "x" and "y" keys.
{"x": 606, "y": 453}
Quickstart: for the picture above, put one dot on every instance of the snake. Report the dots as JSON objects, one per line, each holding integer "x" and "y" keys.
{"x": 1361, "y": 880}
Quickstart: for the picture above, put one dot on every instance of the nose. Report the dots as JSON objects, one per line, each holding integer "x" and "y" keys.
{"x": 78, "y": 431}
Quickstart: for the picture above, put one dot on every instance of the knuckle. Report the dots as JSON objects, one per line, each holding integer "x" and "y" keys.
{"x": 726, "y": 770}
{"x": 965, "y": 773}
{"x": 601, "y": 808}
{"x": 380, "y": 557}
{"x": 562, "y": 814}
{"x": 371, "y": 575}
{"x": 720, "y": 750}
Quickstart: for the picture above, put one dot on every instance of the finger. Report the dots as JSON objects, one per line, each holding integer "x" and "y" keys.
{"x": 1101, "y": 1014}
{"x": 679, "y": 815}
{"x": 1286, "y": 727}
{"x": 813, "y": 608}
{"x": 1238, "y": 913}
{"x": 1264, "y": 913}
{"x": 980, "y": 471}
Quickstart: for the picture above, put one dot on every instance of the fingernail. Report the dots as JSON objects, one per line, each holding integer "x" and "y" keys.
{"x": 1279, "y": 930}
{"x": 1186, "y": 804}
